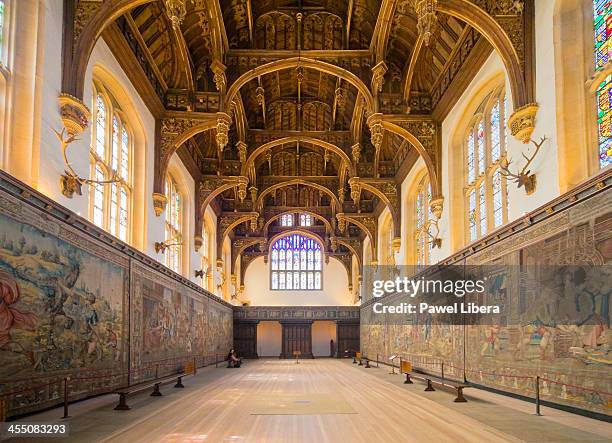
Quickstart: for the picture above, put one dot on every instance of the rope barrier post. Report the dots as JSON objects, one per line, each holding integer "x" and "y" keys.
{"x": 442, "y": 372}
{"x": 66, "y": 379}
{"x": 3, "y": 409}
{"x": 377, "y": 360}
{"x": 537, "y": 390}
{"x": 216, "y": 361}
{"x": 195, "y": 368}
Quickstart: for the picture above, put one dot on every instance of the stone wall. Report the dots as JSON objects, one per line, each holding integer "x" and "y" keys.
{"x": 74, "y": 302}
{"x": 534, "y": 337}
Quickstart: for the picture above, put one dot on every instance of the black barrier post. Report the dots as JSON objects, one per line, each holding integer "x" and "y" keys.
{"x": 367, "y": 363}
{"x": 442, "y": 372}
{"x": 66, "y": 379}
{"x": 377, "y": 360}
{"x": 537, "y": 386}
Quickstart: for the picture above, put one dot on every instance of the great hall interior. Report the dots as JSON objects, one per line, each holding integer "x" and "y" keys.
{"x": 180, "y": 178}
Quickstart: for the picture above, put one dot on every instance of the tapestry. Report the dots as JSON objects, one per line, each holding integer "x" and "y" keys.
{"x": 173, "y": 323}
{"x": 72, "y": 306}
{"x": 564, "y": 340}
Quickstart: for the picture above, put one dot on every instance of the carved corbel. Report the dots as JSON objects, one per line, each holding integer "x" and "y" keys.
{"x": 341, "y": 222}
{"x": 396, "y": 244}
{"x": 242, "y": 151}
{"x": 437, "y": 205}
{"x": 374, "y": 122}
{"x": 218, "y": 70}
{"x": 356, "y": 152}
{"x": 253, "y": 191}
{"x": 198, "y": 241}
{"x": 159, "y": 203}
{"x": 426, "y": 19}
{"x": 333, "y": 243}
{"x": 223, "y": 124}
{"x": 355, "y": 190}
{"x": 378, "y": 76}
{"x": 74, "y": 114}
{"x": 522, "y": 122}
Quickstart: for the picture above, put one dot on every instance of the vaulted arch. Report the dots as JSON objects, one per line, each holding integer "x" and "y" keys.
{"x": 293, "y": 62}
{"x": 328, "y": 226}
{"x": 294, "y": 139}
{"x": 297, "y": 181}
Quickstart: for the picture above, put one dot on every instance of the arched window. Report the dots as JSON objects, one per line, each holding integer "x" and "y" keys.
{"x": 485, "y": 185}
{"x": 603, "y": 48}
{"x": 296, "y": 263}
{"x": 286, "y": 220}
{"x": 110, "y": 158}
{"x": 305, "y": 220}
{"x": 205, "y": 258}
{"x": 4, "y": 32}
{"x": 386, "y": 242}
{"x": 422, "y": 217}
{"x": 174, "y": 225}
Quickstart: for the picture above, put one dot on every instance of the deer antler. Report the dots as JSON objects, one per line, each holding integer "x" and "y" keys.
{"x": 524, "y": 176}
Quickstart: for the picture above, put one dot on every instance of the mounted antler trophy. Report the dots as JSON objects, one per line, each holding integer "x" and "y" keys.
{"x": 70, "y": 181}
{"x": 436, "y": 241}
{"x": 524, "y": 176}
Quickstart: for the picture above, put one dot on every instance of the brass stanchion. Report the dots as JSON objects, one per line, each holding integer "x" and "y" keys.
{"x": 66, "y": 379}
{"x": 537, "y": 389}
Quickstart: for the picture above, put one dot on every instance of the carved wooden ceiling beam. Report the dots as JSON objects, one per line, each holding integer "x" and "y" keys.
{"x": 226, "y": 223}
{"x": 280, "y": 142}
{"x": 239, "y": 244}
{"x": 368, "y": 223}
{"x": 327, "y": 189}
{"x": 387, "y": 190}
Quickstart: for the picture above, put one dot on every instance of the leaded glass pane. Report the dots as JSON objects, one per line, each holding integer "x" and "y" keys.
{"x": 480, "y": 141}
{"x": 604, "y": 121}
{"x": 498, "y": 203}
{"x": 495, "y": 133}
{"x": 470, "y": 160}
{"x": 482, "y": 209}
{"x": 100, "y": 128}
{"x": 125, "y": 156}
{"x": 291, "y": 257}
{"x": 472, "y": 215}
{"x": 115, "y": 150}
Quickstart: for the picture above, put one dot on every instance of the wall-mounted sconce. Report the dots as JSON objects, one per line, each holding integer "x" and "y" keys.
{"x": 70, "y": 182}
{"x": 163, "y": 245}
{"x": 524, "y": 176}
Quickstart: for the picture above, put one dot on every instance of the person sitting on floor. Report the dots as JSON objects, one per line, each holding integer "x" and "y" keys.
{"x": 236, "y": 361}
{"x": 229, "y": 358}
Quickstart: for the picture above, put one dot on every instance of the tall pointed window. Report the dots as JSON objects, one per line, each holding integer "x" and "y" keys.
{"x": 296, "y": 263}
{"x": 174, "y": 225}
{"x": 305, "y": 220}
{"x": 286, "y": 220}
{"x": 110, "y": 158}
{"x": 205, "y": 258}
{"x": 486, "y": 187}
{"x": 603, "y": 48}
{"x": 3, "y": 32}
{"x": 422, "y": 216}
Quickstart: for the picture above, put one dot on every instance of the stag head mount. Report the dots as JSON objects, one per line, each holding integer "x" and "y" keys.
{"x": 524, "y": 177}
{"x": 70, "y": 181}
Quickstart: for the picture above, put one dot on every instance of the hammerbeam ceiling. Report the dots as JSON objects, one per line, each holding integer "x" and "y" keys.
{"x": 275, "y": 105}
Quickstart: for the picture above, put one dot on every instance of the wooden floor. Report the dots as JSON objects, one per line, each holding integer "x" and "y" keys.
{"x": 221, "y": 405}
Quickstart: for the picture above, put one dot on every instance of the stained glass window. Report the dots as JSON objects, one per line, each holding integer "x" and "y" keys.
{"x": 603, "y": 47}
{"x": 2, "y": 29}
{"x": 423, "y": 215}
{"x": 110, "y": 158}
{"x": 486, "y": 191}
{"x": 305, "y": 220}
{"x": 296, "y": 263}
{"x": 287, "y": 220}
{"x": 173, "y": 231}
